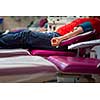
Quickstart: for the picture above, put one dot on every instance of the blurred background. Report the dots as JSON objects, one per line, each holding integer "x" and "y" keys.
{"x": 35, "y": 23}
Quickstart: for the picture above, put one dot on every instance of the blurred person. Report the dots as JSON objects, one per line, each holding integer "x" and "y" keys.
{"x": 40, "y": 40}
{"x": 79, "y": 25}
{"x": 43, "y": 24}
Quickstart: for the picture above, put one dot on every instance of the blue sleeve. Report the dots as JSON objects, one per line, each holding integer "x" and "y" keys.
{"x": 87, "y": 26}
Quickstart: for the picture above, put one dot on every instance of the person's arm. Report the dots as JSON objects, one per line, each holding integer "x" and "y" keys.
{"x": 85, "y": 27}
{"x": 56, "y": 40}
{"x": 72, "y": 34}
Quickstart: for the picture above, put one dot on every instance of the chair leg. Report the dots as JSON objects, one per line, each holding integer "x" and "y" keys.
{"x": 96, "y": 77}
{"x": 86, "y": 79}
{"x": 66, "y": 78}
{"x": 74, "y": 78}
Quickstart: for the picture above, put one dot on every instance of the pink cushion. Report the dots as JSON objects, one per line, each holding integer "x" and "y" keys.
{"x": 79, "y": 38}
{"x": 51, "y": 53}
{"x": 77, "y": 65}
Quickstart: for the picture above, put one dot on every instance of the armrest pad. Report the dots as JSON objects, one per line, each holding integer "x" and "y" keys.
{"x": 85, "y": 44}
{"x": 78, "y": 38}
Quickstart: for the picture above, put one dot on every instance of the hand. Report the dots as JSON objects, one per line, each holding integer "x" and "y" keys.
{"x": 55, "y": 41}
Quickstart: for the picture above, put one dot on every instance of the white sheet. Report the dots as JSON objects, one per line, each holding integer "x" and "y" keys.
{"x": 27, "y": 62}
{"x": 24, "y": 61}
{"x": 13, "y": 51}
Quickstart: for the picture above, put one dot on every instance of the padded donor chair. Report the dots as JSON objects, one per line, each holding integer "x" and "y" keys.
{"x": 38, "y": 68}
{"x": 78, "y": 69}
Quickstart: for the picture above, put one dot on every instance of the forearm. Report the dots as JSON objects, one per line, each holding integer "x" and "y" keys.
{"x": 84, "y": 27}
{"x": 72, "y": 34}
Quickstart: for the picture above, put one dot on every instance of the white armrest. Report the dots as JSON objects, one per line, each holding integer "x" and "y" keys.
{"x": 84, "y": 44}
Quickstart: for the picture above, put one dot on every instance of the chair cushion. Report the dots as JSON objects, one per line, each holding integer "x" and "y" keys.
{"x": 51, "y": 53}
{"x": 76, "y": 65}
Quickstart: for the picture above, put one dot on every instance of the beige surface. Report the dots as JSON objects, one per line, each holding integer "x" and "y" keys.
{"x": 28, "y": 78}
{"x": 26, "y": 61}
{"x": 11, "y": 23}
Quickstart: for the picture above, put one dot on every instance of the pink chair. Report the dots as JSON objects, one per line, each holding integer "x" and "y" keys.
{"x": 76, "y": 64}
{"x": 78, "y": 67}
{"x": 41, "y": 68}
